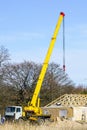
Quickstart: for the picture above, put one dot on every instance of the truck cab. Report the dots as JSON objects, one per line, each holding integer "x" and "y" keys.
{"x": 13, "y": 112}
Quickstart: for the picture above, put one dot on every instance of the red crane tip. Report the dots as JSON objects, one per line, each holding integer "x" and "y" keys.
{"x": 61, "y": 13}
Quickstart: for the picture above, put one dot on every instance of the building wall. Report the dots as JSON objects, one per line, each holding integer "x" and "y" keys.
{"x": 59, "y": 111}
{"x": 80, "y": 113}
{"x": 72, "y": 113}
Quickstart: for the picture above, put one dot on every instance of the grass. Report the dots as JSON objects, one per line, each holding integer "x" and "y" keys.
{"x": 53, "y": 126}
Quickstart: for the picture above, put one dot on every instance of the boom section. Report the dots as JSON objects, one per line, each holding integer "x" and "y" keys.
{"x": 46, "y": 61}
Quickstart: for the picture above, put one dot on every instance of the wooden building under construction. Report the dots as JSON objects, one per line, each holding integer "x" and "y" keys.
{"x": 69, "y": 106}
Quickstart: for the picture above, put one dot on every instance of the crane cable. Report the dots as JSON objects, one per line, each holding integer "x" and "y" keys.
{"x": 64, "y": 67}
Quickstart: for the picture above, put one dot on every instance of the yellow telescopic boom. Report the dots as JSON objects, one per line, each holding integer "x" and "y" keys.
{"x": 46, "y": 61}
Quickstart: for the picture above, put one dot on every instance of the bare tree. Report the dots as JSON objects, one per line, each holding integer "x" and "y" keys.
{"x": 22, "y": 76}
{"x": 4, "y": 58}
{"x": 4, "y": 55}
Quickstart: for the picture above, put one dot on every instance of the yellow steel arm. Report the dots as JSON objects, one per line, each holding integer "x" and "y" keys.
{"x": 46, "y": 61}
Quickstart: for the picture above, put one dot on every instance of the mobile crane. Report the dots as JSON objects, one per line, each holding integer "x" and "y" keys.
{"x": 33, "y": 111}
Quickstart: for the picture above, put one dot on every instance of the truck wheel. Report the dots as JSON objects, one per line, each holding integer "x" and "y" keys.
{"x": 41, "y": 121}
{"x": 20, "y": 120}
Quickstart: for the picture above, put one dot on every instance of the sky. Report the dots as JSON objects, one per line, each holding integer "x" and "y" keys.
{"x": 26, "y": 28}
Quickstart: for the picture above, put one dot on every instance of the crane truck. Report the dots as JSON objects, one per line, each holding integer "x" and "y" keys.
{"x": 33, "y": 110}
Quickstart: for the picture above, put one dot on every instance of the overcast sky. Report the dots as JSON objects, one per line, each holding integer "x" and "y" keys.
{"x": 26, "y": 28}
